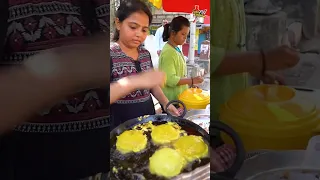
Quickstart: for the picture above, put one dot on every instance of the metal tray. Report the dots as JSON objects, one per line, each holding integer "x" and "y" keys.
{"x": 270, "y": 160}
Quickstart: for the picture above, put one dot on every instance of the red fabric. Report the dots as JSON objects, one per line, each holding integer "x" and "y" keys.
{"x": 186, "y": 6}
{"x": 185, "y": 49}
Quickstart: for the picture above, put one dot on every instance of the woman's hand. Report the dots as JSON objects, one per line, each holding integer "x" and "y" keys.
{"x": 197, "y": 80}
{"x": 150, "y": 79}
{"x": 146, "y": 80}
{"x": 279, "y": 58}
{"x": 173, "y": 110}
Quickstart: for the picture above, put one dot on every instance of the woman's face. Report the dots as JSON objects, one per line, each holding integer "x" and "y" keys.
{"x": 133, "y": 30}
{"x": 181, "y": 36}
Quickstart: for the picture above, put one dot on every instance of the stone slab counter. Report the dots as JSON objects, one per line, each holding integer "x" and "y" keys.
{"x": 265, "y": 31}
{"x": 307, "y": 11}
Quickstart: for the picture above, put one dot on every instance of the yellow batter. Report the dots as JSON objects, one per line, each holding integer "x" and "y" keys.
{"x": 131, "y": 141}
{"x": 165, "y": 133}
{"x": 166, "y": 162}
{"x": 191, "y": 147}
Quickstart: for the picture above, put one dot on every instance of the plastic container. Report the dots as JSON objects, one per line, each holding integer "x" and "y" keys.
{"x": 271, "y": 117}
{"x": 195, "y": 98}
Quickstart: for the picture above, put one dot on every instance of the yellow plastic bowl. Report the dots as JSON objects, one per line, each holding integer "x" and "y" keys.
{"x": 195, "y": 98}
{"x": 271, "y": 117}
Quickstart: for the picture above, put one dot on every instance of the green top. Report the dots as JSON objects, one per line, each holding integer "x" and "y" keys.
{"x": 227, "y": 35}
{"x": 173, "y": 64}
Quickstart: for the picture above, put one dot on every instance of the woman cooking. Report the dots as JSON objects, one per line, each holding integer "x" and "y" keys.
{"x": 128, "y": 57}
{"x": 172, "y": 61}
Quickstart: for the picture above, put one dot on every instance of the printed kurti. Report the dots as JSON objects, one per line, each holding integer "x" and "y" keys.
{"x": 139, "y": 102}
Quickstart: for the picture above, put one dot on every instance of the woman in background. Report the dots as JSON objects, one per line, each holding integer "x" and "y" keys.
{"x": 172, "y": 61}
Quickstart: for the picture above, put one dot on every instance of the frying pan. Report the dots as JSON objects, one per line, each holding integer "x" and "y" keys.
{"x": 190, "y": 127}
{"x": 308, "y": 169}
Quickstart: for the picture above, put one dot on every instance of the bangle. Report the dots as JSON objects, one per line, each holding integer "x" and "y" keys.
{"x": 191, "y": 81}
{"x": 263, "y": 61}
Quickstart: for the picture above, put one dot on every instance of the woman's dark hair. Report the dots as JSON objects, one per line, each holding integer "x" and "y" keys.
{"x": 176, "y": 25}
{"x": 128, "y": 7}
